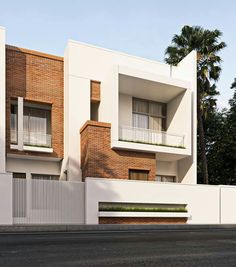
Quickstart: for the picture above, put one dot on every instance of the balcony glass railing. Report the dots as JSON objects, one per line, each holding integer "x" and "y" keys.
{"x": 33, "y": 139}
{"x": 149, "y": 136}
{"x": 37, "y": 139}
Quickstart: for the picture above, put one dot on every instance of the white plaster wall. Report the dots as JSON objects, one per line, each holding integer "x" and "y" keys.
{"x": 33, "y": 166}
{"x": 5, "y": 198}
{"x": 179, "y": 117}
{"x": 187, "y": 69}
{"x": 2, "y": 100}
{"x": 100, "y": 64}
{"x": 125, "y": 110}
{"x": 167, "y": 168}
{"x": 202, "y": 200}
{"x": 77, "y": 112}
{"x": 228, "y": 200}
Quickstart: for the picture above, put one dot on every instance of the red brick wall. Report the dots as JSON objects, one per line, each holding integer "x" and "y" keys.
{"x": 99, "y": 160}
{"x": 141, "y": 220}
{"x": 36, "y": 77}
{"x": 95, "y": 91}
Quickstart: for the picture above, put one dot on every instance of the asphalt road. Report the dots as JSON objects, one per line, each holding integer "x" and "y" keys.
{"x": 147, "y": 248}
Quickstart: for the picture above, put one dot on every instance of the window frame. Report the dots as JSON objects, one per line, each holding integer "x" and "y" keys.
{"x": 48, "y": 175}
{"x": 14, "y": 104}
{"x": 149, "y": 115}
{"x": 166, "y": 176}
{"x": 144, "y": 171}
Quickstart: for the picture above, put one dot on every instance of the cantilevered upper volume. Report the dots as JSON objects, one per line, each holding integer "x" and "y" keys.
{"x": 96, "y": 113}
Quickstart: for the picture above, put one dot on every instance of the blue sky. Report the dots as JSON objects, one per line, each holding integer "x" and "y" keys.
{"x": 139, "y": 27}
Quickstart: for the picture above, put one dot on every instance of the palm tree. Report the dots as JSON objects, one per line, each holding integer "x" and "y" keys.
{"x": 208, "y": 45}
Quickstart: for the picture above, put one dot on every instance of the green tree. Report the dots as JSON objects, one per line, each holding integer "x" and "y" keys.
{"x": 221, "y": 144}
{"x": 208, "y": 45}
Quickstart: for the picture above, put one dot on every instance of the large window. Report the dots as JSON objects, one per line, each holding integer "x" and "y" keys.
{"x": 138, "y": 175}
{"x": 149, "y": 115}
{"x": 37, "y": 125}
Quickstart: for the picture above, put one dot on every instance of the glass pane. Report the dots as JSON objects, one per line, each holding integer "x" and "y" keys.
{"x": 37, "y": 126}
{"x": 13, "y": 123}
{"x": 168, "y": 179}
{"x": 140, "y": 106}
{"x": 44, "y": 177}
{"x": 140, "y": 121}
{"x": 138, "y": 175}
{"x": 155, "y": 109}
{"x": 155, "y": 123}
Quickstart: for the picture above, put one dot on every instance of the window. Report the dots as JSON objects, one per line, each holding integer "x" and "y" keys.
{"x": 149, "y": 114}
{"x": 13, "y": 122}
{"x": 37, "y": 125}
{"x": 44, "y": 177}
{"x": 138, "y": 175}
{"x": 19, "y": 175}
{"x": 94, "y": 111}
{"x": 165, "y": 178}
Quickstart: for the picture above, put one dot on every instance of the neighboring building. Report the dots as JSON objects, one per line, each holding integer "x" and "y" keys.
{"x": 96, "y": 113}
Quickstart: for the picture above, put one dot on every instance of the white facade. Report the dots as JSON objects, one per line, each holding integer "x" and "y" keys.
{"x": 122, "y": 78}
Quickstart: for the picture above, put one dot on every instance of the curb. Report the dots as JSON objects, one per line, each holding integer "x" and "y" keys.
{"x": 112, "y": 227}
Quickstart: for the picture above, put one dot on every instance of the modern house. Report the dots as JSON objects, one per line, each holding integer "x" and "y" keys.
{"x": 96, "y": 113}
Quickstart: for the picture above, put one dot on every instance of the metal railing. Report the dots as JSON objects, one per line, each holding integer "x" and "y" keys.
{"x": 149, "y": 136}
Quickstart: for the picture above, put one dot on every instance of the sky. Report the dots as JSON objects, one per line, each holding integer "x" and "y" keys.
{"x": 138, "y": 27}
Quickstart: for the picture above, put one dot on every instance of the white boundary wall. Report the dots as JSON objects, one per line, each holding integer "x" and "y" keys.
{"x": 5, "y": 198}
{"x": 25, "y": 201}
{"x": 206, "y": 204}
{"x": 228, "y": 200}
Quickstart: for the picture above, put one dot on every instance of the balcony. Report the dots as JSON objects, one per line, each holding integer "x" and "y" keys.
{"x": 33, "y": 141}
{"x": 149, "y": 136}
{"x": 37, "y": 139}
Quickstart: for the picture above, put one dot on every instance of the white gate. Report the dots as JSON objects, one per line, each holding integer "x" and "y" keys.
{"x": 47, "y": 202}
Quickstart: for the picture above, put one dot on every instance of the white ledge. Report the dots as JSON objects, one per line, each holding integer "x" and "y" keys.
{"x": 38, "y": 149}
{"x": 13, "y": 146}
{"x": 144, "y": 214}
{"x": 33, "y": 148}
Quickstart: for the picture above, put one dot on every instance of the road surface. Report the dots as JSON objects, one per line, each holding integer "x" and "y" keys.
{"x": 137, "y": 248}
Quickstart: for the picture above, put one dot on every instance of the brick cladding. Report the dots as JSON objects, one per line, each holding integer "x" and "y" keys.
{"x": 36, "y": 77}
{"x": 141, "y": 220}
{"x": 99, "y": 160}
{"x": 95, "y": 91}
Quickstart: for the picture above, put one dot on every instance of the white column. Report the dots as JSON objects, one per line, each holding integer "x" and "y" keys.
{"x": 6, "y": 198}
{"x": 76, "y": 113}
{"x": 20, "y": 133}
{"x": 2, "y": 102}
